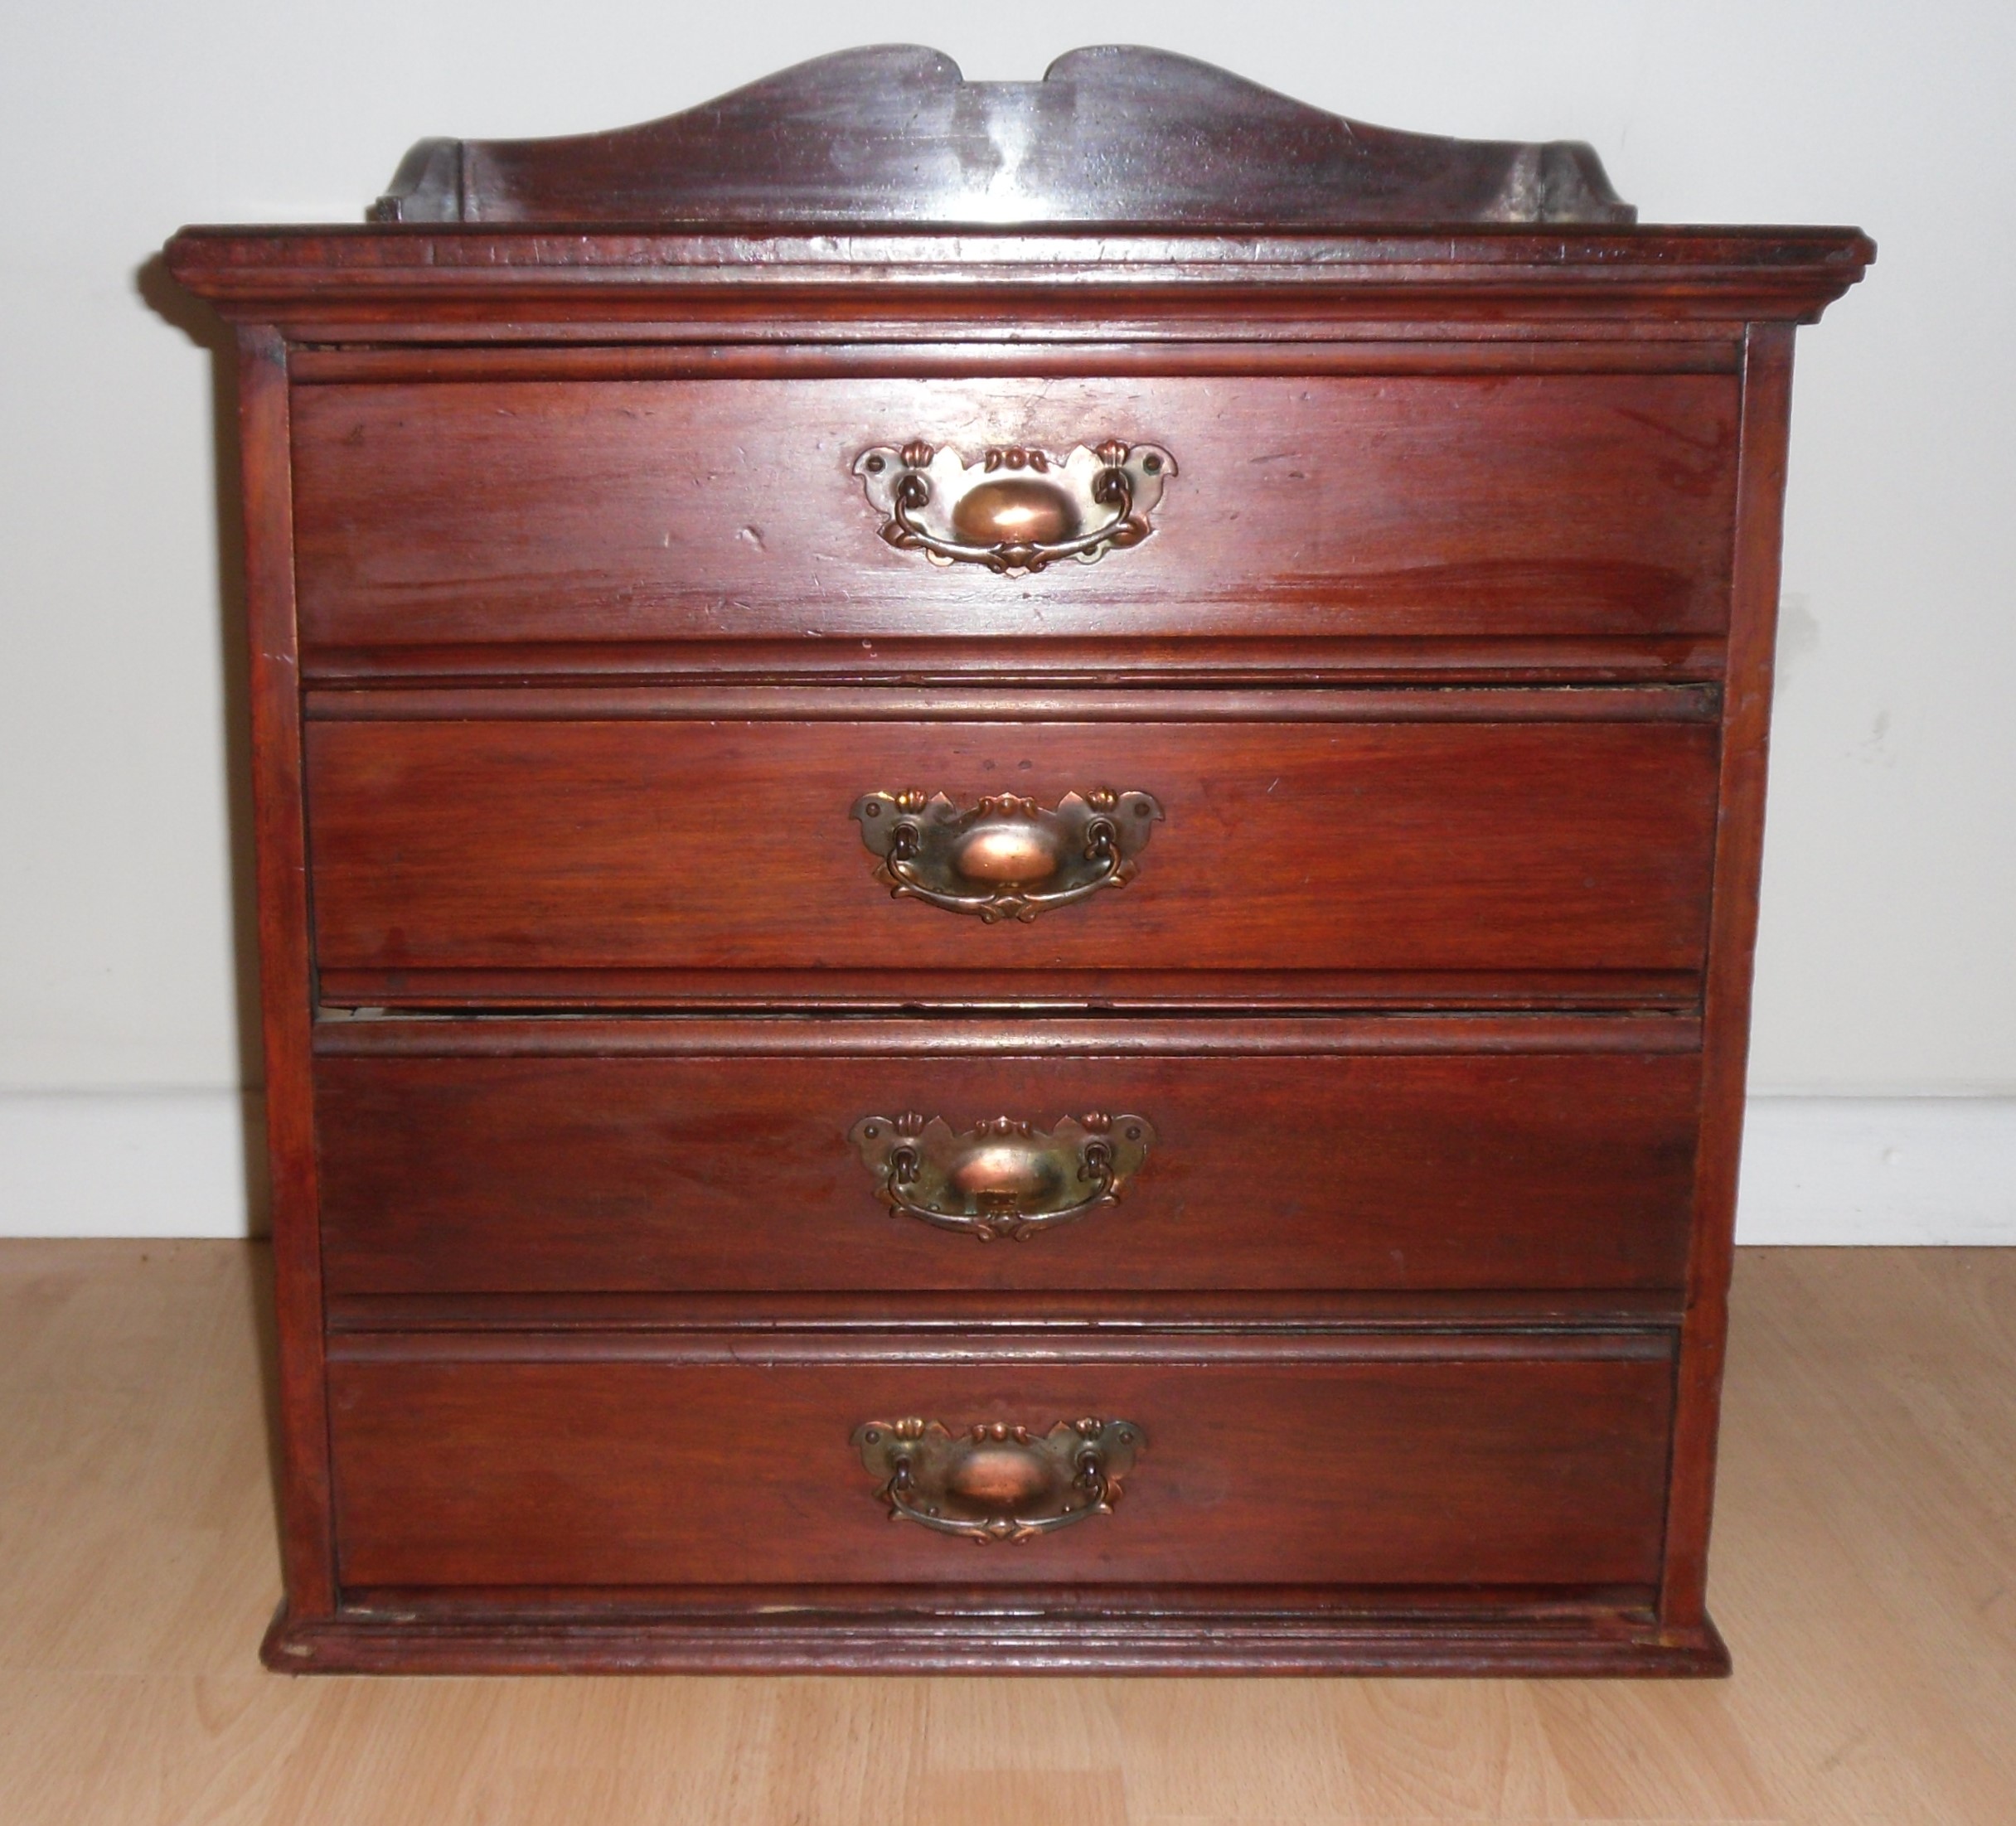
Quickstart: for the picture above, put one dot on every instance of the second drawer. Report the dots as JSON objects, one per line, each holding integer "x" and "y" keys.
{"x": 1451, "y": 838}
{"x": 1395, "y": 1155}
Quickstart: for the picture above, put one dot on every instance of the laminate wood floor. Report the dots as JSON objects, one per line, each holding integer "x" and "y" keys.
{"x": 1865, "y": 1572}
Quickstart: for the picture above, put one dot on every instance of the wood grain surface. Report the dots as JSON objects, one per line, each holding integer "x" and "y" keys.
{"x": 1863, "y": 1566}
{"x": 891, "y": 133}
{"x": 1540, "y": 1465}
{"x": 1499, "y": 505}
{"x": 1767, "y": 384}
{"x": 524, "y": 285}
{"x": 286, "y": 956}
{"x": 1518, "y": 1169}
{"x": 577, "y": 640}
{"x": 1416, "y": 846}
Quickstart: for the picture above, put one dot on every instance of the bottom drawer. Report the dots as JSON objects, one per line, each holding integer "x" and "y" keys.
{"x": 1287, "y": 1460}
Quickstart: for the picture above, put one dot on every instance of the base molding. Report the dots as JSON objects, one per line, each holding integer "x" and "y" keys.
{"x": 1605, "y": 1644}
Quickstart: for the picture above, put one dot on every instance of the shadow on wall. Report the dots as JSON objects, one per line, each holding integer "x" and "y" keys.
{"x": 202, "y": 327}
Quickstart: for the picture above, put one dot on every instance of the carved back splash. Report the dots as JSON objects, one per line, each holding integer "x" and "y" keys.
{"x": 893, "y": 135}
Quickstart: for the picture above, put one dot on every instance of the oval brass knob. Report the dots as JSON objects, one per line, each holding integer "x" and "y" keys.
{"x": 998, "y": 1174}
{"x": 997, "y": 1482}
{"x": 1016, "y": 510}
{"x": 1005, "y": 857}
{"x": 1001, "y": 1178}
{"x": 1001, "y": 1477}
{"x": 1013, "y": 852}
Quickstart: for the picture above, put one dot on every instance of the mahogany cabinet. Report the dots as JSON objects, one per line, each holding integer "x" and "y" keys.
{"x": 1008, "y": 843}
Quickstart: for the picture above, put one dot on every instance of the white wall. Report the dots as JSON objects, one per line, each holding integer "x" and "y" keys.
{"x": 1887, "y": 968}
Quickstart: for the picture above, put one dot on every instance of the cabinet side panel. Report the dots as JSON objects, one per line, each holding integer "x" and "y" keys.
{"x": 307, "y": 1542}
{"x": 1732, "y": 929}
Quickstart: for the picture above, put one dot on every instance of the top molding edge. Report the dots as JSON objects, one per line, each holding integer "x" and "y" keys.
{"x": 892, "y": 135}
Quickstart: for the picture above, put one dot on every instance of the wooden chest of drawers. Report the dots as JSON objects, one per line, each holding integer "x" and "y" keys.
{"x": 1027, "y": 809}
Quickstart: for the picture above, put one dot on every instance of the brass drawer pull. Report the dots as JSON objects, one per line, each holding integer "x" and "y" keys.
{"x": 1017, "y": 510}
{"x": 1007, "y": 857}
{"x": 997, "y": 1482}
{"x": 1001, "y": 1178}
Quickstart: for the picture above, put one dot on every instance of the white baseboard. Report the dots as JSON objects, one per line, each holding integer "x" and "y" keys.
{"x": 1816, "y": 1169}
{"x": 130, "y": 1164}
{"x": 1846, "y": 1169}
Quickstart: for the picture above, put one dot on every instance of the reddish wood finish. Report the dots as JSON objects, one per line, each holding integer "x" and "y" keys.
{"x": 1357, "y": 1632}
{"x": 307, "y": 1547}
{"x": 1016, "y": 285}
{"x": 938, "y": 1317}
{"x": 1425, "y": 1467}
{"x": 1114, "y": 132}
{"x": 998, "y": 663}
{"x": 1453, "y": 1170}
{"x": 370, "y": 1033}
{"x": 881, "y": 991}
{"x": 1448, "y": 658}
{"x": 386, "y": 700}
{"x": 1767, "y": 390}
{"x": 1704, "y": 353}
{"x": 1562, "y": 504}
{"x": 1418, "y": 847}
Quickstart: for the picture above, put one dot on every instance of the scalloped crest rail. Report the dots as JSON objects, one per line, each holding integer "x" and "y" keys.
{"x": 892, "y": 133}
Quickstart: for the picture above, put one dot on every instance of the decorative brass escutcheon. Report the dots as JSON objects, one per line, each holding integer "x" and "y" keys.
{"x": 1001, "y": 1178}
{"x": 995, "y": 1482}
{"x": 1007, "y": 857}
{"x": 1016, "y": 510}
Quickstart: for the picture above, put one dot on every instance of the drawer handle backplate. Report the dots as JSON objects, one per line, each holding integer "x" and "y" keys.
{"x": 995, "y": 1482}
{"x": 1001, "y": 1178}
{"x": 1007, "y": 857}
{"x": 1016, "y": 510}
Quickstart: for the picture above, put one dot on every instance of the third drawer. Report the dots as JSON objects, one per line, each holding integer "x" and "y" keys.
{"x": 1393, "y": 1154}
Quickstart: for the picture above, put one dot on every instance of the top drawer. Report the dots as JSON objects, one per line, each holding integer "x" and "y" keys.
{"x": 497, "y": 510}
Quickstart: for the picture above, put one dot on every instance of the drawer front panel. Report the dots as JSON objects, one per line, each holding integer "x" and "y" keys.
{"x": 1517, "y": 1469}
{"x": 634, "y": 511}
{"x": 446, "y": 1176}
{"x": 1324, "y": 847}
